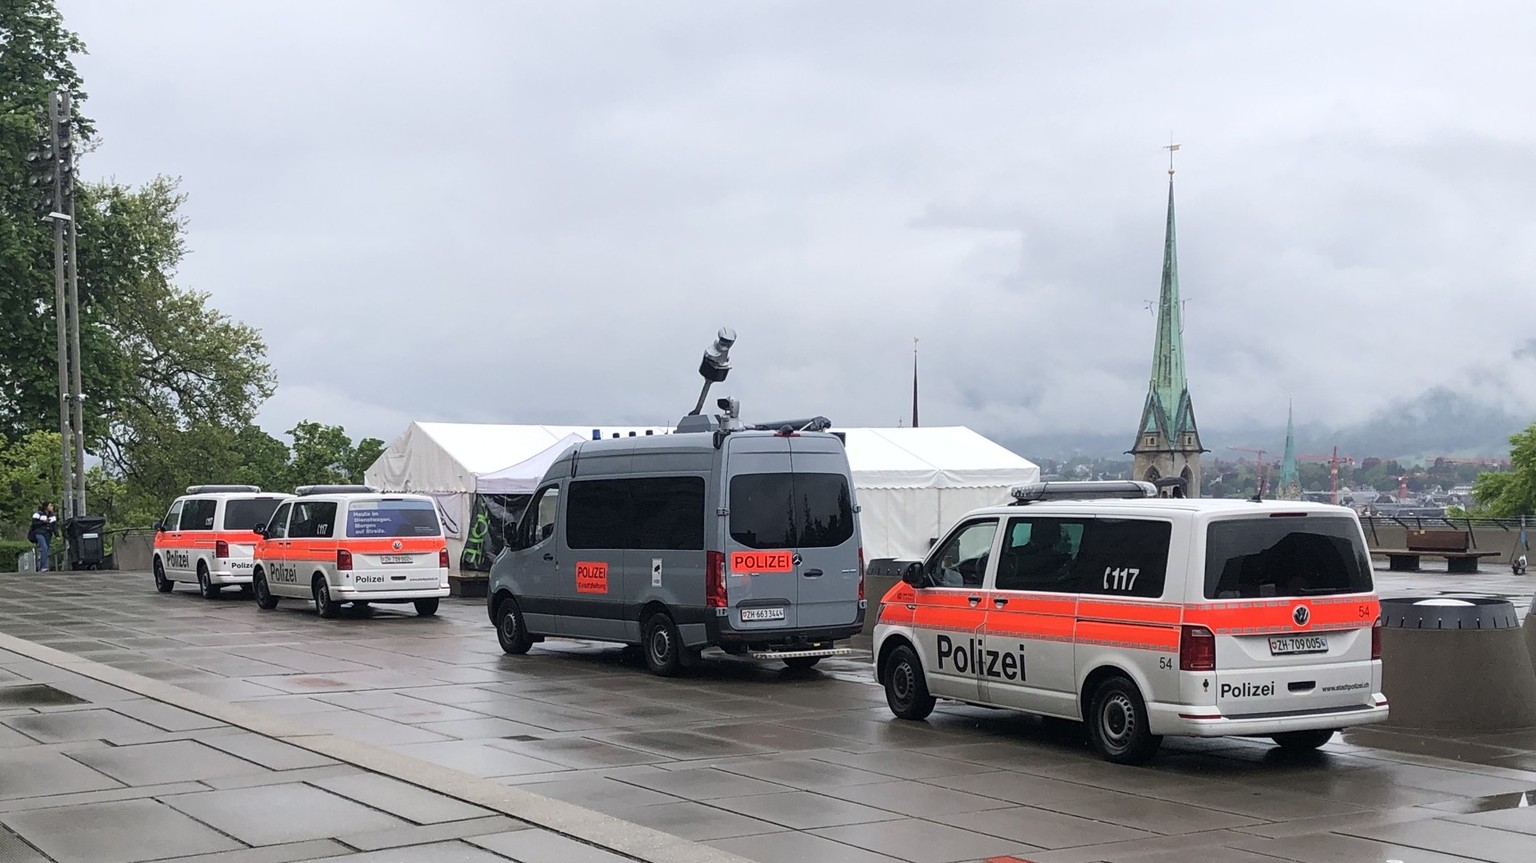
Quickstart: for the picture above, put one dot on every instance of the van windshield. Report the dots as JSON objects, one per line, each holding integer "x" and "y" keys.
{"x": 791, "y": 510}
{"x": 392, "y": 518}
{"x": 246, "y": 514}
{"x": 1285, "y": 557}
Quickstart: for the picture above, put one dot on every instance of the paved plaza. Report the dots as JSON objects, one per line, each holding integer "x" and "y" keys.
{"x": 139, "y": 726}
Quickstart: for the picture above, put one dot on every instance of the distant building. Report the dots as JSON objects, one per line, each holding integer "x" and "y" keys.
{"x": 1167, "y": 441}
{"x": 1290, "y": 475}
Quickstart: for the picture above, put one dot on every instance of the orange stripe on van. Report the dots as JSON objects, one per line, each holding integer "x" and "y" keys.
{"x": 1263, "y": 616}
{"x": 1128, "y": 635}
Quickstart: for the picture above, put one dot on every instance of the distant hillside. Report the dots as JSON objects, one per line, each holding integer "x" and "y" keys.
{"x": 1439, "y": 423}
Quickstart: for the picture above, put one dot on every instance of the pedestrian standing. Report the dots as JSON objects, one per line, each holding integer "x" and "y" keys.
{"x": 44, "y": 523}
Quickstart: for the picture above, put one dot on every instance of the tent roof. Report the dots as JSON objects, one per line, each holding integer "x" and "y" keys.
{"x": 933, "y": 456}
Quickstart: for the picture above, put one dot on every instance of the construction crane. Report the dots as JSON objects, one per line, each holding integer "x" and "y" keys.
{"x": 1333, "y": 469}
{"x": 1261, "y": 468}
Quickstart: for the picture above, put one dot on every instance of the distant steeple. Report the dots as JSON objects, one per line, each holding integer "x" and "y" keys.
{"x": 1290, "y": 477}
{"x": 1168, "y": 441}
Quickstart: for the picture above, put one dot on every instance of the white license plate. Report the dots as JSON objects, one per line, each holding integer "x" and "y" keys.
{"x": 397, "y": 558}
{"x": 762, "y": 614}
{"x": 1293, "y": 644}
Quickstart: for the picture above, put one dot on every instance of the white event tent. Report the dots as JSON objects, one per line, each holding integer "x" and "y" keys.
{"x": 911, "y": 483}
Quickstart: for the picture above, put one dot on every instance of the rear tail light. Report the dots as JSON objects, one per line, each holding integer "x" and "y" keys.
{"x": 343, "y": 559}
{"x": 442, "y": 558}
{"x": 861, "y": 573}
{"x": 714, "y": 579}
{"x": 1376, "y": 641}
{"x": 1197, "y": 649}
{"x": 221, "y": 549}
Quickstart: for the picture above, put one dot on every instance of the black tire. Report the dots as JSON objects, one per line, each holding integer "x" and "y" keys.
{"x": 205, "y": 585}
{"x": 264, "y": 597}
{"x": 162, "y": 584}
{"x": 1117, "y": 723}
{"x": 906, "y": 689}
{"x": 510, "y": 630}
{"x": 663, "y": 646}
{"x": 1303, "y": 741}
{"x": 324, "y": 607}
{"x": 802, "y": 663}
{"x": 426, "y": 607}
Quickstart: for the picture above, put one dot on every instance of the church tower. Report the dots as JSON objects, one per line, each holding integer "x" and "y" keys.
{"x": 1290, "y": 476}
{"x": 1168, "y": 443}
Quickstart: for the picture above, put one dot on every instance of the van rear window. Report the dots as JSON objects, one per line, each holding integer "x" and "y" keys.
{"x": 791, "y": 510}
{"x": 1285, "y": 557}
{"x": 392, "y": 518}
{"x": 246, "y": 514}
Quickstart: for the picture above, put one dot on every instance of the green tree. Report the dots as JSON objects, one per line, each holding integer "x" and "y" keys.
{"x": 324, "y": 454}
{"x": 1503, "y": 494}
{"x": 29, "y": 474}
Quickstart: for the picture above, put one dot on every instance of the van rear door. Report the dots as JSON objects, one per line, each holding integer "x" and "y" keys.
{"x": 1290, "y": 600}
{"x": 395, "y": 544}
{"x": 827, "y": 545}
{"x": 761, "y": 585}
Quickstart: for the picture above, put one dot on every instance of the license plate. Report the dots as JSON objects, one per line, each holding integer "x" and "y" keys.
{"x": 762, "y": 614}
{"x": 1293, "y": 644}
{"x": 397, "y": 558}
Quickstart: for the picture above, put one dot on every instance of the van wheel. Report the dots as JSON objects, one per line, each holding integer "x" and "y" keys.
{"x": 906, "y": 690}
{"x": 1303, "y": 741}
{"x": 663, "y": 646}
{"x": 205, "y": 585}
{"x": 323, "y": 604}
{"x": 1117, "y": 723}
{"x": 801, "y": 663}
{"x": 426, "y": 607}
{"x": 162, "y": 584}
{"x": 264, "y": 597}
{"x": 510, "y": 630}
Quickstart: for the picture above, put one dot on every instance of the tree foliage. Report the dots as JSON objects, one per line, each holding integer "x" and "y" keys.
{"x": 29, "y": 474}
{"x": 1504, "y": 494}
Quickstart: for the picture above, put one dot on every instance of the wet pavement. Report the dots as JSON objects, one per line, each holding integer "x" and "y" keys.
{"x": 404, "y": 725}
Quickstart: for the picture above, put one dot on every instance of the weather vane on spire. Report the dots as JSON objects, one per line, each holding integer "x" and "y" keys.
{"x": 1171, "y": 148}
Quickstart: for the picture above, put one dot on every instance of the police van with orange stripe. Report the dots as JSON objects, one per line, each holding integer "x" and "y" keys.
{"x": 207, "y": 535}
{"x": 1143, "y": 617}
{"x": 349, "y": 544}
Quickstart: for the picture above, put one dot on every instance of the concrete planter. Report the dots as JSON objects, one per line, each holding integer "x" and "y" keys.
{"x": 1464, "y": 666}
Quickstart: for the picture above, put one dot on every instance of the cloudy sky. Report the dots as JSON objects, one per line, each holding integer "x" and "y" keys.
{"x": 541, "y": 211}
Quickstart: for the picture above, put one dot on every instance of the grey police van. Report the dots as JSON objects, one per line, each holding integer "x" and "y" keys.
{"x": 742, "y": 538}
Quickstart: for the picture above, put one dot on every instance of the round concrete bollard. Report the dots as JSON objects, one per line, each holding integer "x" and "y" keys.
{"x": 1456, "y": 664}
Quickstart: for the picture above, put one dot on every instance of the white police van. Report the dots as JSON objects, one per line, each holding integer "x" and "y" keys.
{"x": 351, "y": 544}
{"x": 1143, "y": 617}
{"x": 208, "y": 536}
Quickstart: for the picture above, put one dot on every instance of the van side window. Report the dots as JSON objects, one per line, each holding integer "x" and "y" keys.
{"x": 791, "y": 510}
{"x": 315, "y": 518}
{"x": 277, "y": 528}
{"x": 539, "y": 522}
{"x": 197, "y": 514}
{"x": 658, "y": 513}
{"x": 1039, "y": 554}
{"x": 962, "y": 562}
{"x": 1124, "y": 557}
{"x": 173, "y": 517}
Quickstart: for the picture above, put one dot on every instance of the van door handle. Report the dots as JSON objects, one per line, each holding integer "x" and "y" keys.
{"x": 812, "y": 573}
{"x": 548, "y": 556}
{"x": 999, "y": 601}
{"x": 973, "y": 600}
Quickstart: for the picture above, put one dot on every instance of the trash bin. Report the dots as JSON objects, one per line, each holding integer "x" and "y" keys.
{"x": 85, "y": 543}
{"x": 1456, "y": 662}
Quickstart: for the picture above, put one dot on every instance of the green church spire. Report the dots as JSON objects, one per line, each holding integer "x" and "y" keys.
{"x": 1290, "y": 477}
{"x": 1168, "y": 381}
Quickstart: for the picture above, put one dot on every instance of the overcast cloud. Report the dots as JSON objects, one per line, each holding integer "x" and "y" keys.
{"x": 541, "y": 212}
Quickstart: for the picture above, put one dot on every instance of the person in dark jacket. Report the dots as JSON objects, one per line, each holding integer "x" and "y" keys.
{"x": 44, "y": 523}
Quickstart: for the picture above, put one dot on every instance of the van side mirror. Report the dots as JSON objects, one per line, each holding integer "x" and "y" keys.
{"x": 915, "y": 575}
{"x": 509, "y": 534}
{"x": 260, "y": 529}
{"x": 547, "y": 531}
{"x": 159, "y": 526}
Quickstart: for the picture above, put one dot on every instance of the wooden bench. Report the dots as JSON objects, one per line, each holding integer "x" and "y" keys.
{"x": 1453, "y": 545}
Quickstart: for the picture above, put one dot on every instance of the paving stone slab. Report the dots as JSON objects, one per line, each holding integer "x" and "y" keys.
{"x": 696, "y": 821}
{"x": 920, "y": 841}
{"x": 273, "y": 814}
{"x": 121, "y": 832}
{"x": 160, "y": 763}
{"x": 798, "y": 848}
{"x": 399, "y": 798}
{"x": 803, "y": 810}
{"x": 542, "y": 846}
{"x": 37, "y": 774}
